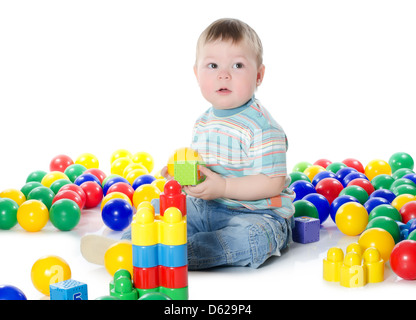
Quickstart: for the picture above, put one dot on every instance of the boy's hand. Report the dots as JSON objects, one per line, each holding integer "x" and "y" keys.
{"x": 164, "y": 173}
{"x": 212, "y": 188}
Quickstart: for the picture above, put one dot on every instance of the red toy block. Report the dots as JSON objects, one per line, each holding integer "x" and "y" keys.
{"x": 172, "y": 196}
{"x": 146, "y": 278}
{"x": 173, "y": 277}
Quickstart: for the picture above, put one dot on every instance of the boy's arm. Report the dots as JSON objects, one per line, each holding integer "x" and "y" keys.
{"x": 252, "y": 187}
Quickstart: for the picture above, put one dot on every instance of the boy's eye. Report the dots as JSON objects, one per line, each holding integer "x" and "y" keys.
{"x": 212, "y": 65}
{"x": 238, "y": 65}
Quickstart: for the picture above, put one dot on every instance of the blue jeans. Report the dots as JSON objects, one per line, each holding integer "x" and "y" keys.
{"x": 219, "y": 235}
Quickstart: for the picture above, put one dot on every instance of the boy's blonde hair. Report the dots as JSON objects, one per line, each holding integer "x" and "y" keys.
{"x": 231, "y": 29}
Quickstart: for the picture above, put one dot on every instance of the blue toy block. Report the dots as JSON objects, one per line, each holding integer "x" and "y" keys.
{"x": 68, "y": 290}
{"x": 306, "y": 230}
{"x": 160, "y": 254}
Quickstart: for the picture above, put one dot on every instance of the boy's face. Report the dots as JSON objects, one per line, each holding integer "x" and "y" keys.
{"x": 227, "y": 73}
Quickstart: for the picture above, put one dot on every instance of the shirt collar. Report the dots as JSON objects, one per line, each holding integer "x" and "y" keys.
{"x": 233, "y": 111}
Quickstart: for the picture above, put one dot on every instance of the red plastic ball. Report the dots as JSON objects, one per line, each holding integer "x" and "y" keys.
{"x": 77, "y": 189}
{"x": 329, "y": 188}
{"x": 363, "y": 183}
{"x": 93, "y": 192}
{"x": 172, "y": 187}
{"x": 122, "y": 187}
{"x": 98, "y": 173}
{"x": 322, "y": 162}
{"x": 60, "y": 163}
{"x": 408, "y": 211}
{"x": 353, "y": 163}
{"x": 69, "y": 194}
{"x": 403, "y": 259}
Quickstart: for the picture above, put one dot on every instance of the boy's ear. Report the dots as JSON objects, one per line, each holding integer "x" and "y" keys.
{"x": 196, "y": 72}
{"x": 260, "y": 75}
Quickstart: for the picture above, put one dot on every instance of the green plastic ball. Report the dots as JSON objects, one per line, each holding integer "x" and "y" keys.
{"x": 305, "y": 208}
{"x": 74, "y": 171}
{"x": 334, "y": 167}
{"x": 29, "y": 187}
{"x": 387, "y": 224}
{"x": 385, "y": 210}
{"x": 400, "y": 173}
{"x": 58, "y": 184}
{"x": 404, "y": 189}
{"x": 412, "y": 235}
{"x": 401, "y": 160}
{"x": 382, "y": 181}
{"x": 296, "y": 175}
{"x": 43, "y": 194}
{"x": 301, "y": 166}
{"x": 36, "y": 176}
{"x": 65, "y": 214}
{"x": 8, "y": 213}
{"x": 355, "y": 191}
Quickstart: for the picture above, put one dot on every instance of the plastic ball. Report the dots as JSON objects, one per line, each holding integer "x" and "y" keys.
{"x": 379, "y": 239}
{"x": 143, "y": 179}
{"x": 338, "y": 202}
{"x": 118, "y": 166}
{"x": 400, "y": 173}
{"x": 70, "y": 195}
{"x": 43, "y": 194}
{"x": 295, "y": 176}
{"x": 145, "y": 159}
{"x": 408, "y": 211}
{"x": 330, "y": 188}
{"x": 335, "y": 167}
{"x": 58, "y": 184}
{"x": 122, "y": 187}
{"x": 74, "y": 171}
{"x": 376, "y": 167}
{"x": 32, "y": 215}
{"x": 13, "y": 194}
{"x": 354, "y": 163}
{"x": 412, "y": 235}
{"x": 99, "y": 174}
{"x": 320, "y": 203}
{"x": 8, "y": 213}
{"x": 385, "y": 210}
{"x": 385, "y": 194}
{"x": 404, "y": 189}
{"x": 76, "y": 189}
{"x": 117, "y": 214}
{"x": 352, "y": 176}
{"x": 135, "y": 174}
{"x": 88, "y": 160}
{"x": 382, "y": 181}
{"x": 400, "y": 160}
{"x": 146, "y": 192}
{"x": 36, "y": 176}
{"x": 93, "y": 194}
{"x": 373, "y": 202}
{"x": 51, "y": 177}
{"x": 313, "y": 170}
{"x": 29, "y": 186}
{"x": 182, "y": 154}
{"x": 342, "y": 173}
{"x": 401, "y": 200}
{"x": 301, "y": 189}
{"x": 322, "y": 162}
{"x": 355, "y": 191}
{"x": 403, "y": 259}
{"x": 351, "y": 218}
{"x": 8, "y": 292}
{"x": 133, "y": 166}
{"x": 49, "y": 270}
{"x": 159, "y": 183}
{"x": 410, "y": 176}
{"x": 119, "y": 256}
{"x": 115, "y": 195}
{"x": 363, "y": 183}
{"x": 110, "y": 180}
{"x": 86, "y": 177}
{"x": 65, "y": 214}
{"x": 304, "y": 208}
{"x": 322, "y": 175}
{"x": 387, "y": 224}
{"x": 120, "y": 153}
{"x": 60, "y": 163}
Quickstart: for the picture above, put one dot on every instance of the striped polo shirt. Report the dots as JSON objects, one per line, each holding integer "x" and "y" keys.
{"x": 245, "y": 141}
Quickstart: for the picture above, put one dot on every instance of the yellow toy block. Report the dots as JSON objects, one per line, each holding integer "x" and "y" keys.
{"x": 374, "y": 265}
{"x": 148, "y": 229}
{"x": 353, "y": 274}
{"x": 332, "y": 264}
{"x": 354, "y": 247}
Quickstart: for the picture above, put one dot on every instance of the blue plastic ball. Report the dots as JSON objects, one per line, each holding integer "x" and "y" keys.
{"x": 352, "y": 176}
{"x": 383, "y": 193}
{"x": 373, "y": 202}
{"x": 86, "y": 177}
{"x": 322, "y": 175}
{"x": 412, "y": 226}
{"x": 112, "y": 181}
{"x": 302, "y": 188}
{"x": 342, "y": 173}
{"x": 117, "y": 214}
{"x": 321, "y": 204}
{"x": 143, "y": 179}
{"x": 8, "y": 292}
{"x": 338, "y": 202}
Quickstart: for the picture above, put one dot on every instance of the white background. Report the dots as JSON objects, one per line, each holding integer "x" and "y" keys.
{"x": 96, "y": 76}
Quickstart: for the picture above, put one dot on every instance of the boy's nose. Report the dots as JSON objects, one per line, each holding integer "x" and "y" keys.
{"x": 224, "y": 75}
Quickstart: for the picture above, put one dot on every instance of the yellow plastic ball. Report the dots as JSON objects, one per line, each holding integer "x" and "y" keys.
{"x": 401, "y": 200}
{"x": 114, "y": 195}
{"x": 133, "y": 166}
{"x": 32, "y": 215}
{"x": 313, "y": 170}
{"x": 120, "y": 153}
{"x": 145, "y": 192}
{"x": 351, "y": 218}
{"x": 88, "y": 160}
{"x": 51, "y": 177}
{"x": 134, "y": 174}
{"x": 118, "y": 165}
{"x": 182, "y": 154}
{"x": 160, "y": 184}
{"x": 13, "y": 194}
{"x": 145, "y": 159}
{"x": 119, "y": 256}
{"x": 378, "y": 238}
{"x": 377, "y": 167}
{"x": 49, "y": 270}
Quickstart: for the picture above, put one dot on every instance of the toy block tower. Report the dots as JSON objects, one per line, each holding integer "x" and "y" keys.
{"x": 172, "y": 196}
{"x": 160, "y": 261}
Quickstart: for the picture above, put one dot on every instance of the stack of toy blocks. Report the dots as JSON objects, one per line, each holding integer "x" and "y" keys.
{"x": 186, "y": 172}
{"x": 160, "y": 261}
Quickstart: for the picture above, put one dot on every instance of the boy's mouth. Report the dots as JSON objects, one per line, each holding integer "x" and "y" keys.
{"x": 223, "y": 91}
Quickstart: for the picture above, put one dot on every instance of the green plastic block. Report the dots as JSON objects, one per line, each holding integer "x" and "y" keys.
{"x": 174, "y": 294}
{"x": 187, "y": 173}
